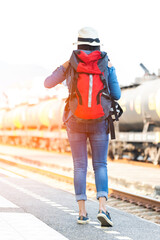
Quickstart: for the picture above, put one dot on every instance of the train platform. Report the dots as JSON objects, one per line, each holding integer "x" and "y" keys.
{"x": 33, "y": 210}
{"x": 134, "y": 178}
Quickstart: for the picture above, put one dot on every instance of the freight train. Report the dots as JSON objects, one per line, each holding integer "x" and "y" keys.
{"x": 137, "y": 132}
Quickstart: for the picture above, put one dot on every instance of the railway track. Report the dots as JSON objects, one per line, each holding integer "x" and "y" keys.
{"x": 141, "y": 206}
{"x": 141, "y": 163}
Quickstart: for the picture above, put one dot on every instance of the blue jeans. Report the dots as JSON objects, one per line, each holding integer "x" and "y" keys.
{"x": 99, "y": 139}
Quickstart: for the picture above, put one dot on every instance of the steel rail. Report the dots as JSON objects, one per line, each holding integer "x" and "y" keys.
{"x": 144, "y": 201}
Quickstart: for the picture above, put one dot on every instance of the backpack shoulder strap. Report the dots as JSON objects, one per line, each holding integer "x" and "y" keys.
{"x": 73, "y": 85}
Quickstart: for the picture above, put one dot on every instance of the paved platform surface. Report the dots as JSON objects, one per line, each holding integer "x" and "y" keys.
{"x": 32, "y": 210}
{"x": 119, "y": 173}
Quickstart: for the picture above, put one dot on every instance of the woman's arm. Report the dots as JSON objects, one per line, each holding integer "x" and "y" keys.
{"x": 114, "y": 87}
{"x": 57, "y": 76}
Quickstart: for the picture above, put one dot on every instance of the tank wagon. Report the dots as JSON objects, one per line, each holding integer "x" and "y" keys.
{"x": 137, "y": 132}
{"x": 37, "y": 125}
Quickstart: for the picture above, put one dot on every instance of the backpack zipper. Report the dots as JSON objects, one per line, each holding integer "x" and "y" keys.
{"x": 90, "y": 90}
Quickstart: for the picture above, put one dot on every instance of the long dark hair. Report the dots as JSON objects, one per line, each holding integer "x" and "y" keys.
{"x": 88, "y": 47}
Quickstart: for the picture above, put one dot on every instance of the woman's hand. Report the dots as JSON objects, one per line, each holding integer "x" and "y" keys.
{"x": 66, "y": 64}
{"x": 109, "y": 64}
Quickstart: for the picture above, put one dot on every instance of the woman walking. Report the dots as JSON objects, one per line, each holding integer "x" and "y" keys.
{"x": 88, "y": 60}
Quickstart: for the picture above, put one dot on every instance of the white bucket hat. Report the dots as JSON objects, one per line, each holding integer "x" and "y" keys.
{"x": 88, "y": 36}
